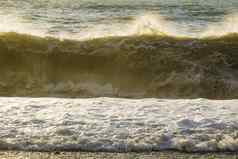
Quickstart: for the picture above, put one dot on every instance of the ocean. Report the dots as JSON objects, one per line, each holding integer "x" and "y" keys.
{"x": 119, "y": 75}
{"x": 80, "y": 19}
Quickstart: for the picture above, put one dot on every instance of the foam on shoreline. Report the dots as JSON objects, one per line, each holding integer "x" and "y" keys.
{"x": 118, "y": 125}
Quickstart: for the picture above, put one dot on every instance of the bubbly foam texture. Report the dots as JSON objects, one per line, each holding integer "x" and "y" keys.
{"x": 118, "y": 125}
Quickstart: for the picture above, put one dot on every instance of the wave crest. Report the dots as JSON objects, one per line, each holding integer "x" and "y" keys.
{"x": 145, "y": 24}
{"x": 228, "y": 25}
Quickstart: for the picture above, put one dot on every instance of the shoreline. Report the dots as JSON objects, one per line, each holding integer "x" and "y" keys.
{"x": 107, "y": 155}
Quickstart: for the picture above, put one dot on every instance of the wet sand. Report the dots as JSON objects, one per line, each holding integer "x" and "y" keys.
{"x": 104, "y": 155}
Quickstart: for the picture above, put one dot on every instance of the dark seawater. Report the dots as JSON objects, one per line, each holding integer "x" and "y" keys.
{"x": 124, "y": 48}
{"x": 130, "y": 66}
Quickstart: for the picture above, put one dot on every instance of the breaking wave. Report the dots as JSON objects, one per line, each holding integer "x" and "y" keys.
{"x": 145, "y": 24}
{"x": 129, "y": 66}
{"x": 227, "y": 26}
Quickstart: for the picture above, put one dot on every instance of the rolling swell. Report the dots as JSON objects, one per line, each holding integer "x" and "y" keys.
{"x": 132, "y": 66}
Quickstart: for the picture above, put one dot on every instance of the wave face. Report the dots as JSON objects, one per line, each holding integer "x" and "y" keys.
{"x": 132, "y": 66}
{"x": 118, "y": 125}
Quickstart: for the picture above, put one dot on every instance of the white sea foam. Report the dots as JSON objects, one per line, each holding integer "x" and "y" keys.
{"x": 146, "y": 23}
{"x": 229, "y": 24}
{"x": 13, "y": 23}
{"x": 112, "y": 124}
{"x": 153, "y": 24}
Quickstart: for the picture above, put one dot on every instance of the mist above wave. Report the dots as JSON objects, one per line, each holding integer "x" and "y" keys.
{"x": 146, "y": 24}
